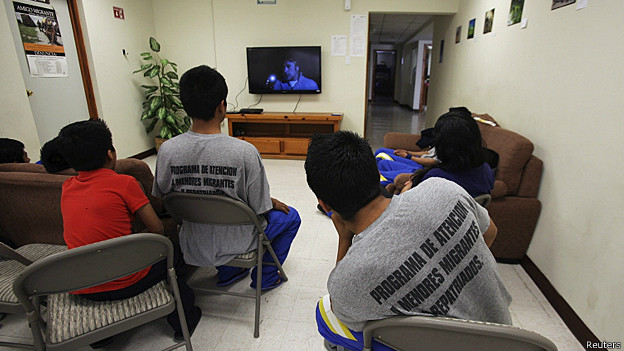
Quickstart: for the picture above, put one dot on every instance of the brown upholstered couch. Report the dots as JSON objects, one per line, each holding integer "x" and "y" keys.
{"x": 514, "y": 207}
{"x": 30, "y": 211}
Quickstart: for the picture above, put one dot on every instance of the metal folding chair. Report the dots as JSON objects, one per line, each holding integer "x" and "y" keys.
{"x": 74, "y": 321}
{"x": 13, "y": 262}
{"x": 413, "y": 333}
{"x": 483, "y": 199}
{"x": 223, "y": 210}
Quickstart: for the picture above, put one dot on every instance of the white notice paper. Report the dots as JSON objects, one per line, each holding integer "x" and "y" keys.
{"x": 523, "y": 24}
{"x": 581, "y": 4}
{"x": 358, "y": 35}
{"x": 339, "y": 45}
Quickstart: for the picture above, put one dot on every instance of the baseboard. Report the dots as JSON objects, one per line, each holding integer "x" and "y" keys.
{"x": 145, "y": 154}
{"x": 576, "y": 325}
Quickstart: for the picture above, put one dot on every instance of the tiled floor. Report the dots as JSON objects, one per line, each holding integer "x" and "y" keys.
{"x": 287, "y": 315}
{"x": 383, "y": 117}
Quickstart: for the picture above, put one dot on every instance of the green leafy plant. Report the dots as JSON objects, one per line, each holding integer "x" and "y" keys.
{"x": 162, "y": 100}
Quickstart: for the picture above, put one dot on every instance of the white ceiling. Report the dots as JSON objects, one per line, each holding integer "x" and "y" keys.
{"x": 398, "y": 28}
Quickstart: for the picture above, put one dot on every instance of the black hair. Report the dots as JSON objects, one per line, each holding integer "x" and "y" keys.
{"x": 341, "y": 170}
{"x": 51, "y": 159}
{"x": 201, "y": 90}
{"x": 85, "y": 144}
{"x": 464, "y": 111}
{"x": 11, "y": 151}
{"x": 458, "y": 143}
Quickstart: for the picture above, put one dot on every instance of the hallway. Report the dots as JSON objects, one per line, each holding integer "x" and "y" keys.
{"x": 384, "y": 116}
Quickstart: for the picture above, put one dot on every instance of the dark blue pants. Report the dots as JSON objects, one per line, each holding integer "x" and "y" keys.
{"x": 389, "y": 169}
{"x": 281, "y": 229}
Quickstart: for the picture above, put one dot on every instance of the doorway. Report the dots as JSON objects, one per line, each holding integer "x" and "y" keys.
{"x": 383, "y": 75}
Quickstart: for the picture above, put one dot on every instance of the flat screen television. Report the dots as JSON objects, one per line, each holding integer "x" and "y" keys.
{"x": 284, "y": 70}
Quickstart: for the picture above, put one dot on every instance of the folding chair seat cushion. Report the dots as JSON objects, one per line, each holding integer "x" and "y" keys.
{"x": 9, "y": 269}
{"x": 70, "y": 315}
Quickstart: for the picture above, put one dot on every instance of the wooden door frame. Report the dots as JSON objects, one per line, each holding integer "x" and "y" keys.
{"x": 82, "y": 58}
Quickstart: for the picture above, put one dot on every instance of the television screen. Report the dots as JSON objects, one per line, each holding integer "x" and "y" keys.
{"x": 284, "y": 70}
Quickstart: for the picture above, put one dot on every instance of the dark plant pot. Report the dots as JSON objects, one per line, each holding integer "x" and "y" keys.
{"x": 159, "y": 141}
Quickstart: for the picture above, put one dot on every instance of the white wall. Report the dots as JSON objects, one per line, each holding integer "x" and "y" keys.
{"x": 241, "y": 23}
{"x": 118, "y": 94}
{"x": 559, "y": 82}
{"x": 186, "y": 31}
{"x": 16, "y": 119}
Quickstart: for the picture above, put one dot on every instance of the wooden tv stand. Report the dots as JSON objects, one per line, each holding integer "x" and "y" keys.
{"x": 282, "y": 134}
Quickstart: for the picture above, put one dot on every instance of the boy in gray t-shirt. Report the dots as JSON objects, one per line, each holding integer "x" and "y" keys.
{"x": 422, "y": 253}
{"x": 204, "y": 161}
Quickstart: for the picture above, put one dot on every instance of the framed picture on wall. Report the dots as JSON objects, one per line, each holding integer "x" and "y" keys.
{"x": 515, "y": 12}
{"x": 561, "y": 3}
{"x": 489, "y": 21}
{"x": 471, "y": 28}
{"x": 458, "y": 35}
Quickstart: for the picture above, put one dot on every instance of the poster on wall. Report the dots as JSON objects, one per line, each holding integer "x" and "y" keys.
{"x": 561, "y": 3}
{"x": 489, "y": 21}
{"x": 515, "y": 12}
{"x": 43, "y": 43}
{"x": 359, "y": 40}
{"x": 458, "y": 35}
{"x": 471, "y": 28}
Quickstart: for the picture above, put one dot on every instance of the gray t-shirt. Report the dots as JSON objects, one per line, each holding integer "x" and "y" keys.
{"x": 213, "y": 164}
{"x": 425, "y": 255}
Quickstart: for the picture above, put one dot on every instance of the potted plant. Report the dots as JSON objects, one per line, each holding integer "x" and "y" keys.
{"x": 162, "y": 100}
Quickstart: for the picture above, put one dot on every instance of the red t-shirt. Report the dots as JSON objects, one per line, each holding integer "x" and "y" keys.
{"x": 100, "y": 205}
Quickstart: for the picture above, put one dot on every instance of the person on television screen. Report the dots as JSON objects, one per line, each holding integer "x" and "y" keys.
{"x": 292, "y": 78}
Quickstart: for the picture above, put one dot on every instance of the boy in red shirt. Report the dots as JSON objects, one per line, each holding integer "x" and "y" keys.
{"x": 99, "y": 204}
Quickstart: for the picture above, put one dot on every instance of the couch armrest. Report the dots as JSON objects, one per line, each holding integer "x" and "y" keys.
{"x": 406, "y": 141}
{"x": 531, "y": 177}
{"x": 500, "y": 189}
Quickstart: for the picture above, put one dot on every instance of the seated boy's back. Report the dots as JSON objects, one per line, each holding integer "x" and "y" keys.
{"x": 99, "y": 204}
{"x": 205, "y": 161}
{"x": 403, "y": 265}
{"x": 213, "y": 164}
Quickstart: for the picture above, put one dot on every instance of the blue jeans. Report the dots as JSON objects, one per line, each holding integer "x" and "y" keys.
{"x": 281, "y": 229}
{"x": 389, "y": 169}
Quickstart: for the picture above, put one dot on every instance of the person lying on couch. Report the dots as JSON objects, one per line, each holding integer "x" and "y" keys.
{"x": 459, "y": 147}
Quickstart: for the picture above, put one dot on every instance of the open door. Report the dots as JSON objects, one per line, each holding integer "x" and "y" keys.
{"x": 424, "y": 84}
{"x": 52, "y": 28}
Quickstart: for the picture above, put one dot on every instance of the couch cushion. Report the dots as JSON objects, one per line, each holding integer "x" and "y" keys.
{"x": 22, "y": 167}
{"x": 514, "y": 151}
{"x": 31, "y": 211}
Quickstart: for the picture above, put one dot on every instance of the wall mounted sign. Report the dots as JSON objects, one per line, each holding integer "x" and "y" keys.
{"x": 118, "y": 12}
{"x": 43, "y": 43}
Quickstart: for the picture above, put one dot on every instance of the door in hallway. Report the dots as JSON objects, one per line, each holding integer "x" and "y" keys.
{"x": 383, "y": 75}
{"x": 55, "y": 101}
